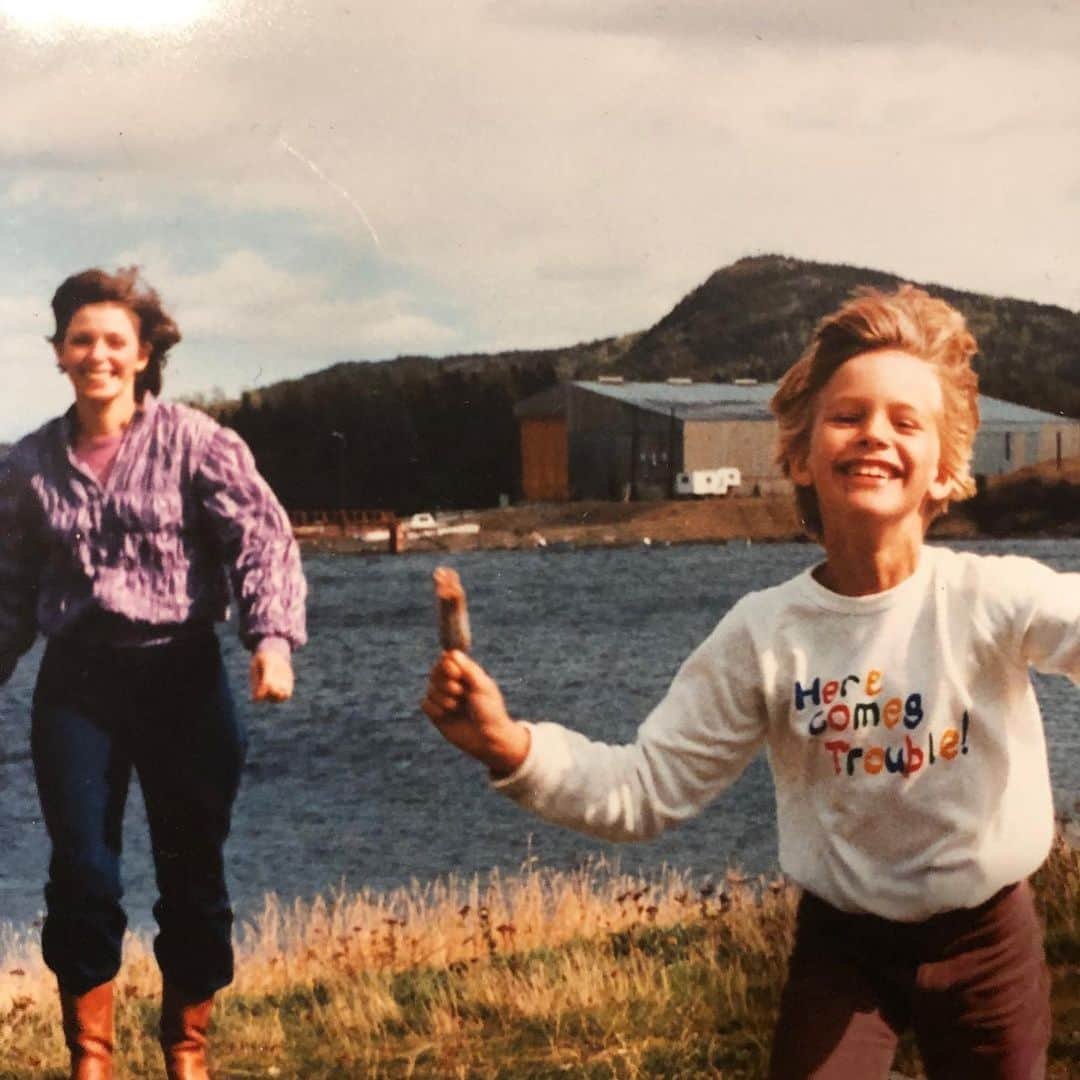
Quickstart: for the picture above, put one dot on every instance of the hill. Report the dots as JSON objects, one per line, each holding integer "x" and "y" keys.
{"x": 418, "y": 432}
{"x": 753, "y": 318}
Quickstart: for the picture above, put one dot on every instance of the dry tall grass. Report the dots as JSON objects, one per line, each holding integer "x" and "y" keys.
{"x": 590, "y": 974}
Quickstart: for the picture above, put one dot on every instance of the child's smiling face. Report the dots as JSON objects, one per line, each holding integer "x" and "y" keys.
{"x": 875, "y": 445}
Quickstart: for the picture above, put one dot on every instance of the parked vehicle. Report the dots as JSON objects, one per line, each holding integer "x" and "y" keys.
{"x": 703, "y": 482}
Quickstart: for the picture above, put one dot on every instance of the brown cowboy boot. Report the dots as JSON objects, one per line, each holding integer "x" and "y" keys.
{"x": 88, "y": 1032}
{"x": 184, "y": 1023}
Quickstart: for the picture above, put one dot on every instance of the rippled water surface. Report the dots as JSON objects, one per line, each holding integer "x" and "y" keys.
{"x": 348, "y": 784}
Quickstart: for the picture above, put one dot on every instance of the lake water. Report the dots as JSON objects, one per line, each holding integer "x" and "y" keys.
{"x": 349, "y": 784}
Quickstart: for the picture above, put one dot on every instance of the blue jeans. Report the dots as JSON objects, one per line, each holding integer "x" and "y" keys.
{"x": 166, "y": 711}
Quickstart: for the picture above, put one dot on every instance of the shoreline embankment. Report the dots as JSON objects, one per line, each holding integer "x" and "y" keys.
{"x": 578, "y": 524}
{"x": 1031, "y": 509}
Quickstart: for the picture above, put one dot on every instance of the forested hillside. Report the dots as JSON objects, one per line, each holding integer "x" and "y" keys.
{"x": 417, "y": 432}
{"x": 753, "y": 318}
{"x": 405, "y": 434}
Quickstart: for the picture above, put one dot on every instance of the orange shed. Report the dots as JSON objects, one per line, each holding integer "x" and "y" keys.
{"x": 545, "y": 473}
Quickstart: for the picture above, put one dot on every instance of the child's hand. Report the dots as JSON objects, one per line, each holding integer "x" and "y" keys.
{"x": 466, "y": 705}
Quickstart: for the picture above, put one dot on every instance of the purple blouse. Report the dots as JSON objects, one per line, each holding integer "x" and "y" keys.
{"x": 143, "y": 556}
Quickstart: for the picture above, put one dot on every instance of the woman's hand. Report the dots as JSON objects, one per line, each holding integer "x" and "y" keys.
{"x": 466, "y": 705}
{"x": 271, "y": 675}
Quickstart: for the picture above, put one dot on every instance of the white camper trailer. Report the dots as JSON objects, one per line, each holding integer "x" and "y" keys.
{"x": 702, "y": 482}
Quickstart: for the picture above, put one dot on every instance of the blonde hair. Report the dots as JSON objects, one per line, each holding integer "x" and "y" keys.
{"x": 908, "y": 320}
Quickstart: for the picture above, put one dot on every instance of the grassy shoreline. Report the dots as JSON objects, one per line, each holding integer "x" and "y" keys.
{"x": 592, "y": 974}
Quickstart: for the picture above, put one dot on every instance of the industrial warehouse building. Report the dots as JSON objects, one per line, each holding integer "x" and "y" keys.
{"x": 610, "y": 439}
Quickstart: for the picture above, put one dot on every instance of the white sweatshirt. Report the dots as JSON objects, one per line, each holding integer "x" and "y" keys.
{"x": 902, "y": 729}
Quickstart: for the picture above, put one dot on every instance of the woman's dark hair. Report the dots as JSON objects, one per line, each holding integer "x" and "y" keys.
{"x": 156, "y": 327}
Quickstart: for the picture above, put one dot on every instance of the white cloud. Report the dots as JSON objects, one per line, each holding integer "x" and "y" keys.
{"x": 246, "y": 299}
{"x": 34, "y": 388}
{"x": 1042, "y": 24}
{"x": 548, "y": 172}
{"x": 58, "y": 16}
{"x": 245, "y": 322}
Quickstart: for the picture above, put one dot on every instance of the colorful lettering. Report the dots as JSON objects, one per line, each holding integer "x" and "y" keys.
{"x": 866, "y": 715}
{"x": 874, "y": 760}
{"x": 858, "y": 713}
{"x": 839, "y": 716}
{"x": 813, "y": 693}
{"x": 950, "y": 740}
{"x": 892, "y": 711}
{"x": 913, "y": 712}
{"x": 894, "y": 762}
{"x": 914, "y": 757}
{"x": 836, "y": 747}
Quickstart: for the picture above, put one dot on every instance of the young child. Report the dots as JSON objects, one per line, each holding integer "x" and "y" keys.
{"x": 890, "y": 686}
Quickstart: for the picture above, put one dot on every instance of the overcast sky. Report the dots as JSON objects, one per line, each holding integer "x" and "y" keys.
{"x": 310, "y": 183}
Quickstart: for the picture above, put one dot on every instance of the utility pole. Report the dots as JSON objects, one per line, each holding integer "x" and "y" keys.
{"x": 342, "y": 446}
{"x": 672, "y": 429}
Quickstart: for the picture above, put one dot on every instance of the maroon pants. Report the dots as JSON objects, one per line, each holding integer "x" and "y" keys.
{"x": 972, "y": 984}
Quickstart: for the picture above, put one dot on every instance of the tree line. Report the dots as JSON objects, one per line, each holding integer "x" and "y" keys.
{"x": 420, "y": 433}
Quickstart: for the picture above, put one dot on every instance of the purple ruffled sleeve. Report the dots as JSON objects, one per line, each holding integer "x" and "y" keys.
{"x": 256, "y": 542}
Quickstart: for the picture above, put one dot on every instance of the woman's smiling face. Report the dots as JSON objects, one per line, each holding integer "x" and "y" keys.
{"x": 875, "y": 444}
{"x": 101, "y": 353}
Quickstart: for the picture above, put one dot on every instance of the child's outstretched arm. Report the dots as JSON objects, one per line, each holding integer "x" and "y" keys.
{"x": 692, "y": 745}
{"x": 464, "y": 702}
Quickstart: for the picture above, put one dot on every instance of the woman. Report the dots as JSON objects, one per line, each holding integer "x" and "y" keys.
{"x": 120, "y": 522}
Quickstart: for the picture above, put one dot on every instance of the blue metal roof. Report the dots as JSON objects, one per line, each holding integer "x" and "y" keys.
{"x": 731, "y": 401}
{"x": 692, "y": 401}
{"x": 996, "y": 411}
